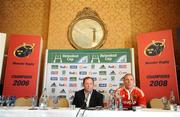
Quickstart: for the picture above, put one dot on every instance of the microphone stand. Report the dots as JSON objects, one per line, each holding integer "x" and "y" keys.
{"x": 83, "y": 112}
{"x": 97, "y": 107}
{"x": 82, "y": 107}
{"x": 78, "y": 112}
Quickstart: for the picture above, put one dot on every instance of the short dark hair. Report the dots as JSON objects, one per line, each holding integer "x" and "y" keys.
{"x": 88, "y": 78}
{"x": 128, "y": 74}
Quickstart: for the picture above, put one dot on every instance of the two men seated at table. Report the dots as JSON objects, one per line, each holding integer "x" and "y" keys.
{"x": 88, "y": 97}
{"x": 131, "y": 95}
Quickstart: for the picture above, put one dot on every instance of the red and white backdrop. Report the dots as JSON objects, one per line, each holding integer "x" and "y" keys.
{"x": 157, "y": 68}
{"x": 23, "y": 63}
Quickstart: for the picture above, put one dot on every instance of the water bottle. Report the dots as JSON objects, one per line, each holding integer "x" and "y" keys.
{"x": 120, "y": 104}
{"x": 43, "y": 100}
{"x": 114, "y": 105}
{"x": 172, "y": 99}
{"x": 110, "y": 101}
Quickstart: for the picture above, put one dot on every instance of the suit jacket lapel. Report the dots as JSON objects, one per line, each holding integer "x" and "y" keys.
{"x": 83, "y": 96}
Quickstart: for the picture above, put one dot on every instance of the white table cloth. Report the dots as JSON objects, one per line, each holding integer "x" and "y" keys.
{"x": 66, "y": 112}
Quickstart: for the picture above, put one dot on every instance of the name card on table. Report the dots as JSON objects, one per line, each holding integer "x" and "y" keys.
{"x": 23, "y": 65}
{"x": 157, "y": 68}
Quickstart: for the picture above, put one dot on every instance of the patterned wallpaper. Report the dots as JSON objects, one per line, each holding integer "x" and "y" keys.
{"x": 24, "y": 17}
{"x": 114, "y": 13}
{"x": 154, "y": 15}
{"x": 124, "y": 19}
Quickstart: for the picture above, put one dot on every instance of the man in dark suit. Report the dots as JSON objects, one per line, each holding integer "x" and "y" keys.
{"x": 88, "y": 97}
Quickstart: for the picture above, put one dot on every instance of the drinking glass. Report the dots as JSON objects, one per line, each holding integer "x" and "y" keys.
{"x": 34, "y": 103}
{"x": 55, "y": 101}
{"x": 8, "y": 101}
{"x": 12, "y": 100}
{"x": 165, "y": 102}
{"x": 2, "y": 100}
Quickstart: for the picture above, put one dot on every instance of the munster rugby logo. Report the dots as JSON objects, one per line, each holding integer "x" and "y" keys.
{"x": 155, "y": 48}
{"x": 24, "y": 50}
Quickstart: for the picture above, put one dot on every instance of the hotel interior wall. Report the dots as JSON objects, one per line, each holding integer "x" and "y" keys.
{"x": 124, "y": 19}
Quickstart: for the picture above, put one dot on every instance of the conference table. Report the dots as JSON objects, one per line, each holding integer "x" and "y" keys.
{"x": 67, "y": 112}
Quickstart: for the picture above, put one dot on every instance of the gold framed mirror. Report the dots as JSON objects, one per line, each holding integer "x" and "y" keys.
{"x": 87, "y": 30}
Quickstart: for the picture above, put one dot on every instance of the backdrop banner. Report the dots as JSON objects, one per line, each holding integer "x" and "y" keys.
{"x": 65, "y": 70}
{"x": 23, "y": 64}
{"x": 157, "y": 68}
{"x": 2, "y": 47}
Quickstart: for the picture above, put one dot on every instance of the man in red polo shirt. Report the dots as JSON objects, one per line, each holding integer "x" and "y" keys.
{"x": 131, "y": 95}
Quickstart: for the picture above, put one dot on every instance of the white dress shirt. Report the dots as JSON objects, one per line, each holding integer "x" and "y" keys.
{"x": 87, "y": 98}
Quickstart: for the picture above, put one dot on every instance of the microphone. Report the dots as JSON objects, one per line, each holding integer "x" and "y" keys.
{"x": 84, "y": 105}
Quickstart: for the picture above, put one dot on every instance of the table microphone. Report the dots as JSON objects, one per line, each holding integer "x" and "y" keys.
{"x": 84, "y": 105}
